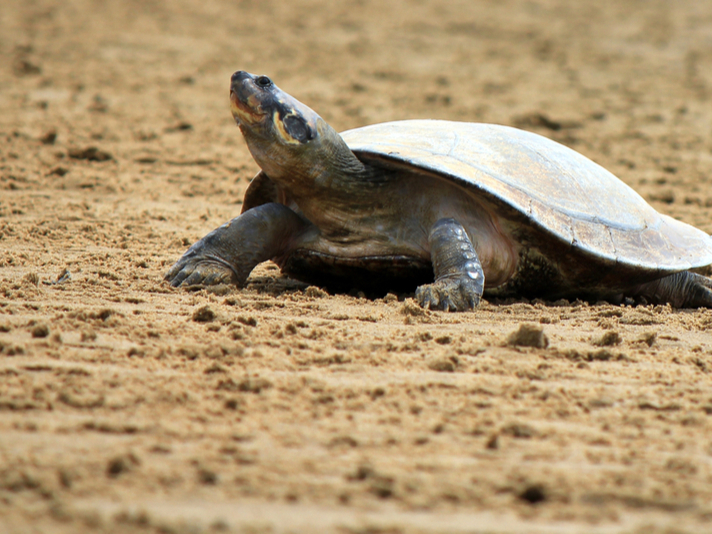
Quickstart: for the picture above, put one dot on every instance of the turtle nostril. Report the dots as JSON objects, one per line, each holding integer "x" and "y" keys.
{"x": 236, "y": 76}
{"x": 263, "y": 81}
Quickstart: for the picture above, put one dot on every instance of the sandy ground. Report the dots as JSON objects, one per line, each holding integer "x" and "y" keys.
{"x": 129, "y": 406}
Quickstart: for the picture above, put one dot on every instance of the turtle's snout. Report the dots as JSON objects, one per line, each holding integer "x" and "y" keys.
{"x": 241, "y": 82}
{"x": 238, "y": 76}
{"x": 252, "y": 96}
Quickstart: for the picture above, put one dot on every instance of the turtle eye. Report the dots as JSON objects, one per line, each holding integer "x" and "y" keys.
{"x": 263, "y": 81}
{"x": 297, "y": 128}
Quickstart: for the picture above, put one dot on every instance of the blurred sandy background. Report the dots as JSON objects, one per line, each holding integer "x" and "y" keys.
{"x": 127, "y": 406}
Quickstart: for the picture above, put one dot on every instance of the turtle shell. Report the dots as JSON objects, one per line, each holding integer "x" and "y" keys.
{"x": 549, "y": 185}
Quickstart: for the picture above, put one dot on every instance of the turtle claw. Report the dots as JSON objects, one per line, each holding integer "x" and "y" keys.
{"x": 203, "y": 272}
{"x": 450, "y": 294}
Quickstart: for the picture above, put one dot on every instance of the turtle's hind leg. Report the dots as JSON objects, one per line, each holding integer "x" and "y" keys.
{"x": 681, "y": 290}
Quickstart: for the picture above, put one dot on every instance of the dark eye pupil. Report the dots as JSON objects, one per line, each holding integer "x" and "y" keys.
{"x": 263, "y": 81}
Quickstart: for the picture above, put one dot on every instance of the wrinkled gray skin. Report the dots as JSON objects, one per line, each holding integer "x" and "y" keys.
{"x": 326, "y": 217}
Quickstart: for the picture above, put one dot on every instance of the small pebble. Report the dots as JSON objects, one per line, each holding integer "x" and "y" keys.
{"x": 203, "y": 315}
{"x": 528, "y": 335}
{"x": 40, "y": 330}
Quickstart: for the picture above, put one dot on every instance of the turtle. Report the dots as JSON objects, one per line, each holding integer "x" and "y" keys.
{"x": 450, "y": 210}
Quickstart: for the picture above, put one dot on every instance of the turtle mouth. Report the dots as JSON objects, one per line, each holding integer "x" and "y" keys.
{"x": 246, "y": 110}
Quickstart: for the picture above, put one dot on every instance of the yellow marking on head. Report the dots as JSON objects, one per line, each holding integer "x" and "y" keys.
{"x": 282, "y": 132}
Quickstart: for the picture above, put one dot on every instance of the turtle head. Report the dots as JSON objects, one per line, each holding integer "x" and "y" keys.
{"x": 261, "y": 109}
{"x": 289, "y": 140}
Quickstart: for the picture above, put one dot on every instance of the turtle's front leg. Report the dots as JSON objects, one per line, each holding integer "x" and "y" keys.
{"x": 459, "y": 278}
{"x": 230, "y": 252}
